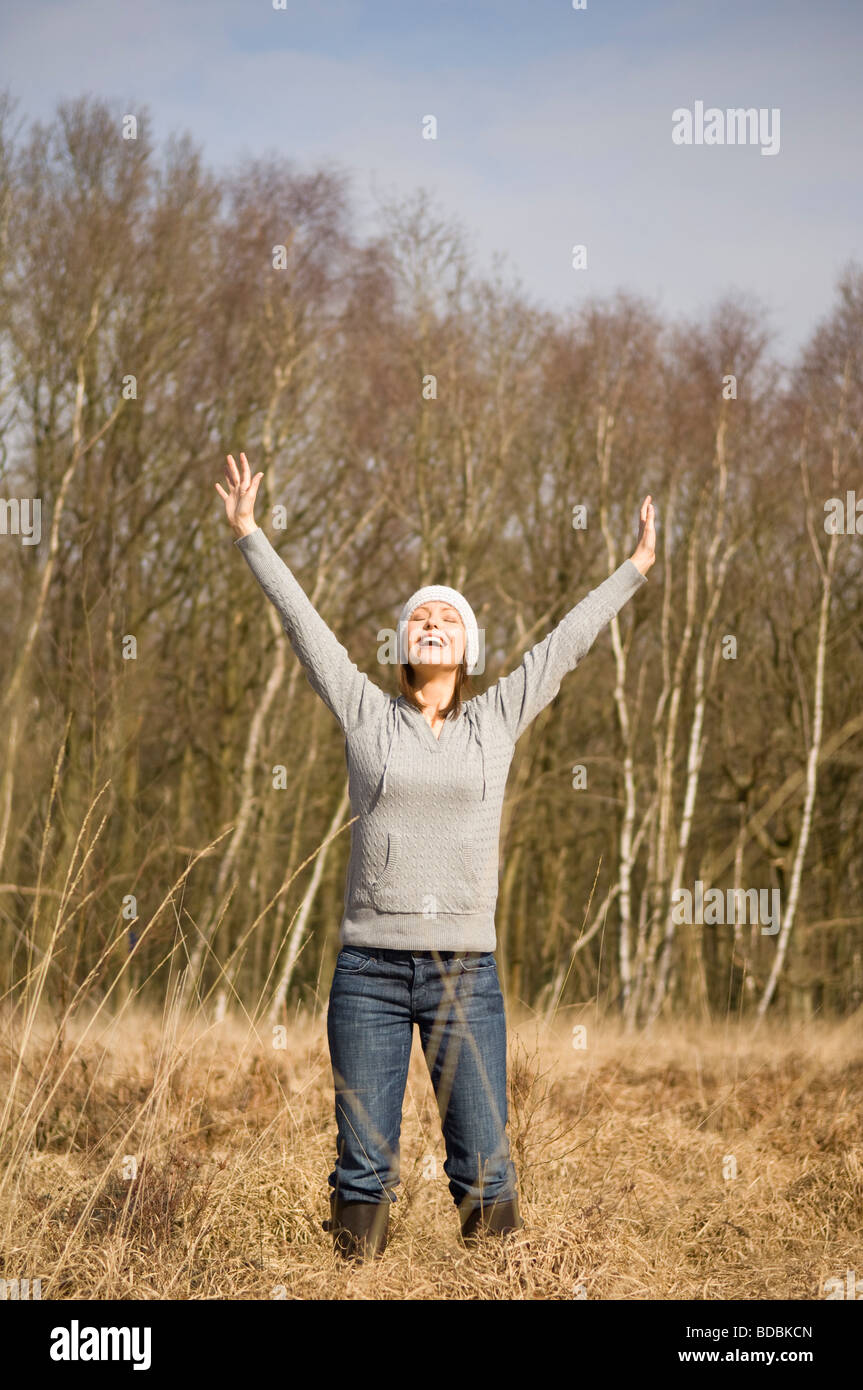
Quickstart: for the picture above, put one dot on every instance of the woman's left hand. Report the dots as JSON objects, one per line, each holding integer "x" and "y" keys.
{"x": 644, "y": 554}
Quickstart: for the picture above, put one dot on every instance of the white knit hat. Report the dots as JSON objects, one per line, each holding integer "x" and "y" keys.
{"x": 441, "y": 592}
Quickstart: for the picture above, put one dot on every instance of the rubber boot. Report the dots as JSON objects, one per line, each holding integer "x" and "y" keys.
{"x": 359, "y": 1229}
{"x": 496, "y": 1218}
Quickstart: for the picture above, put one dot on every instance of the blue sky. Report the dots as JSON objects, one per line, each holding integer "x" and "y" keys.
{"x": 554, "y": 125}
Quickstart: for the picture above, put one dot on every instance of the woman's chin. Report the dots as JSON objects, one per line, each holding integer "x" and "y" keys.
{"x": 434, "y": 668}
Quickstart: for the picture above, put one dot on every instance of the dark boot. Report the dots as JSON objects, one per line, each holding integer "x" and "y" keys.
{"x": 359, "y": 1229}
{"x": 496, "y": 1218}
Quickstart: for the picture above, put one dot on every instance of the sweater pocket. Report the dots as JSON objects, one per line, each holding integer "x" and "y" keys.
{"x": 427, "y": 878}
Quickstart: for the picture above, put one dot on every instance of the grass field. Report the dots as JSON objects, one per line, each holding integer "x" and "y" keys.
{"x": 713, "y": 1165}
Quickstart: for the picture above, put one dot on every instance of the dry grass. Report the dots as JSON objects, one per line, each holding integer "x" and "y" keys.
{"x": 619, "y": 1150}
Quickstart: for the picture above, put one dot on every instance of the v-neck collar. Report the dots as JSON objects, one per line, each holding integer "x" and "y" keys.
{"x": 430, "y": 734}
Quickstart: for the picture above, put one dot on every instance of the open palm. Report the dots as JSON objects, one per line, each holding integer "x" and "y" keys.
{"x": 240, "y": 498}
{"x": 645, "y": 550}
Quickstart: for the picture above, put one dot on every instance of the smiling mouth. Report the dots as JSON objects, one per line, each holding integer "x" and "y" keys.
{"x": 431, "y": 641}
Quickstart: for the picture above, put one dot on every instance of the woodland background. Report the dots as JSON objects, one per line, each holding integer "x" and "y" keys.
{"x": 142, "y": 837}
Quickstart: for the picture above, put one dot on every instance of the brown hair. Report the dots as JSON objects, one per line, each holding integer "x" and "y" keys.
{"x": 463, "y": 688}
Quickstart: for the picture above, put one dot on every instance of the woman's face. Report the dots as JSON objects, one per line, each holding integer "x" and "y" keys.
{"x": 436, "y": 636}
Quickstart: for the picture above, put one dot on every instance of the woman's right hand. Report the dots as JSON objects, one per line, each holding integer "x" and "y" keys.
{"x": 240, "y": 498}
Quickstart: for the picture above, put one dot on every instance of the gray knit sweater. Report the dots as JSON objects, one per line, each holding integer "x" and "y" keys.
{"x": 423, "y": 870}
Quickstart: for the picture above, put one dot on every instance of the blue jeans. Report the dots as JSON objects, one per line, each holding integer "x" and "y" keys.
{"x": 376, "y": 997}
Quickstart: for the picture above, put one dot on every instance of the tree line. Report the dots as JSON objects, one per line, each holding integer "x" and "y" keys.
{"x": 173, "y": 794}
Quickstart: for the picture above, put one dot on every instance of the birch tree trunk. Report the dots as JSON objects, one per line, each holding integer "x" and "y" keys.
{"x": 294, "y": 941}
{"x": 714, "y": 582}
{"x": 80, "y": 448}
{"x": 827, "y": 569}
{"x": 626, "y": 857}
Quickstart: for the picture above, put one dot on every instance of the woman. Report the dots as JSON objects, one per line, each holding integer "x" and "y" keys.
{"x": 427, "y": 772}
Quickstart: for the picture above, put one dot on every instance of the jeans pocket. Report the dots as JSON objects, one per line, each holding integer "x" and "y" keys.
{"x": 484, "y": 961}
{"x": 352, "y": 959}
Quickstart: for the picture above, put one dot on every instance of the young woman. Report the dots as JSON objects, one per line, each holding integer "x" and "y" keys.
{"x": 427, "y": 771}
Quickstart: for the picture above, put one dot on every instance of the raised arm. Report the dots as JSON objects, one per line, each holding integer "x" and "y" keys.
{"x": 346, "y": 691}
{"x": 518, "y": 698}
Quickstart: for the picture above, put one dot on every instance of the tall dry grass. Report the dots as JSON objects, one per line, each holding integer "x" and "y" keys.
{"x": 182, "y": 1154}
{"x": 620, "y": 1148}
